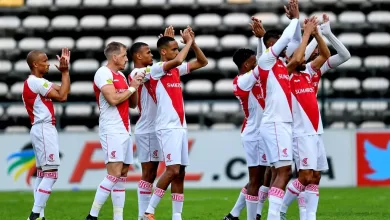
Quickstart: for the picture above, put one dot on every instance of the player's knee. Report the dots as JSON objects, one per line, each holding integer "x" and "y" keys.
{"x": 125, "y": 170}
{"x": 316, "y": 177}
{"x": 173, "y": 171}
{"x": 305, "y": 176}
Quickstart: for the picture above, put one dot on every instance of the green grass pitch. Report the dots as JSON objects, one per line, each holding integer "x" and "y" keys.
{"x": 204, "y": 204}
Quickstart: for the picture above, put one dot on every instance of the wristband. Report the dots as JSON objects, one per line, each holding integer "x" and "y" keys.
{"x": 132, "y": 89}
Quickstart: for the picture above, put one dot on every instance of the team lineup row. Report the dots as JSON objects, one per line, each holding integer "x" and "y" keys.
{"x": 276, "y": 88}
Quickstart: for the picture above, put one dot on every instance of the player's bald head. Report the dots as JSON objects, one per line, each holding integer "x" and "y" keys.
{"x": 113, "y": 48}
{"x": 34, "y": 56}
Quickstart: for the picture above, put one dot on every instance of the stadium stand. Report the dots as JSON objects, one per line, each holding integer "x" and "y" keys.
{"x": 354, "y": 95}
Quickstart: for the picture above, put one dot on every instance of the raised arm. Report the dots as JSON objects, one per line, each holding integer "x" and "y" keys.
{"x": 61, "y": 94}
{"x": 324, "y": 52}
{"x": 201, "y": 59}
{"x": 259, "y": 31}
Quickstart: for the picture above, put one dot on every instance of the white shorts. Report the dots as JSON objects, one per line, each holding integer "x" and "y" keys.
{"x": 117, "y": 147}
{"x": 174, "y": 145}
{"x": 44, "y": 138}
{"x": 148, "y": 148}
{"x": 309, "y": 153}
{"x": 255, "y": 153}
{"x": 278, "y": 141}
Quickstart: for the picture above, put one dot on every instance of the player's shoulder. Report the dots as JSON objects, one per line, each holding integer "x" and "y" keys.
{"x": 103, "y": 70}
{"x": 138, "y": 70}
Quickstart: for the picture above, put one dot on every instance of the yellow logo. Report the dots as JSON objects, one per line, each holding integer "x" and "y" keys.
{"x": 267, "y": 50}
{"x": 109, "y": 81}
{"x": 147, "y": 69}
{"x": 45, "y": 85}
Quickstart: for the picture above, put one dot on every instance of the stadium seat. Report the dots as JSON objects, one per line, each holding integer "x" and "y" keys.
{"x": 178, "y": 20}
{"x": 224, "y": 86}
{"x": 82, "y": 88}
{"x": 207, "y": 41}
{"x": 225, "y": 107}
{"x": 121, "y": 21}
{"x": 57, "y": 43}
{"x": 93, "y": 21}
{"x": 85, "y": 65}
{"x": 327, "y": 85}
{"x": 150, "y": 21}
{"x": 153, "y": 2}
{"x": 36, "y": 22}
{"x": 375, "y": 84}
{"x": 17, "y": 88}
{"x": 124, "y": 3}
{"x": 227, "y": 63}
{"x": 21, "y": 66}
{"x": 377, "y": 62}
{"x": 267, "y": 18}
{"x": 324, "y": 1}
{"x": 7, "y": 44}
{"x": 9, "y": 22}
{"x": 150, "y": 40}
{"x": 353, "y": 1}
{"x": 223, "y": 126}
{"x": 64, "y": 22}
{"x": 234, "y": 41}
{"x": 373, "y": 106}
{"x": 351, "y": 106}
{"x": 39, "y": 3}
{"x": 201, "y": 86}
{"x": 94, "y": 3}
{"x": 352, "y": 17}
{"x": 79, "y": 110}
{"x": 346, "y": 84}
{"x": 76, "y": 128}
{"x": 58, "y": 109}
{"x": 122, "y": 39}
{"x": 318, "y": 14}
{"x": 5, "y": 66}
{"x": 68, "y": 3}
{"x": 208, "y": 20}
{"x": 89, "y": 43}
{"x": 3, "y": 89}
{"x": 338, "y": 106}
{"x": 285, "y": 20}
{"x": 193, "y": 127}
{"x": 372, "y": 124}
{"x": 236, "y": 19}
{"x": 196, "y": 108}
{"x": 181, "y": 2}
{"x": 378, "y": 39}
{"x": 337, "y": 125}
{"x": 17, "y": 111}
{"x": 53, "y": 62}
{"x": 382, "y": 17}
{"x": 32, "y": 43}
{"x": 16, "y": 129}
{"x": 353, "y": 63}
{"x": 351, "y": 39}
{"x": 211, "y": 65}
{"x": 210, "y": 2}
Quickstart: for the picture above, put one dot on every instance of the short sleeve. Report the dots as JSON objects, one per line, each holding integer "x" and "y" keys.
{"x": 184, "y": 69}
{"x": 42, "y": 86}
{"x": 157, "y": 70}
{"x": 103, "y": 77}
{"x": 267, "y": 59}
{"x": 246, "y": 81}
{"x": 312, "y": 71}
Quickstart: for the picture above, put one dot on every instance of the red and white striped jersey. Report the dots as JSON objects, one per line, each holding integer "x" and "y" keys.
{"x": 40, "y": 109}
{"x": 306, "y": 113}
{"x": 274, "y": 79}
{"x": 112, "y": 119}
{"x": 169, "y": 95}
{"x": 146, "y": 104}
{"x": 248, "y": 91}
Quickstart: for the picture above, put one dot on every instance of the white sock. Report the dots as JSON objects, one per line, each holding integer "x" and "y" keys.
{"x": 311, "y": 197}
{"x": 118, "y": 197}
{"x": 251, "y": 206}
{"x": 38, "y": 180}
{"x": 157, "y": 195}
{"x": 102, "y": 193}
{"x": 302, "y": 206}
{"x": 44, "y": 190}
{"x": 144, "y": 195}
{"x": 275, "y": 199}
{"x": 293, "y": 189}
{"x": 177, "y": 205}
{"x": 263, "y": 194}
{"x": 240, "y": 204}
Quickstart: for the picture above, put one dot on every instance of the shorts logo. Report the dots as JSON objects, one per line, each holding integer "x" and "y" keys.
{"x": 285, "y": 152}
{"x": 264, "y": 157}
{"x": 51, "y": 158}
{"x": 169, "y": 158}
{"x": 113, "y": 154}
{"x": 304, "y": 162}
{"x": 155, "y": 154}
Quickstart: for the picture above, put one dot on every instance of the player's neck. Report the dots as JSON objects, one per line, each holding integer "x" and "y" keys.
{"x": 37, "y": 74}
{"x": 139, "y": 65}
{"x": 112, "y": 67}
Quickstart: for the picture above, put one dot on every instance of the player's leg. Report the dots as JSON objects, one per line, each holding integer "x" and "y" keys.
{"x": 112, "y": 146}
{"x": 278, "y": 141}
{"x": 171, "y": 147}
{"x": 149, "y": 155}
{"x": 45, "y": 143}
{"x": 238, "y": 206}
{"x": 263, "y": 191}
{"x": 38, "y": 180}
{"x": 311, "y": 191}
